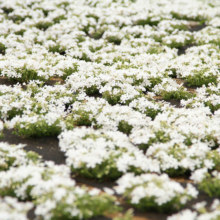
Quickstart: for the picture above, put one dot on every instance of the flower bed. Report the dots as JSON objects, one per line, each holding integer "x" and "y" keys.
{"x": 118, "y": 73}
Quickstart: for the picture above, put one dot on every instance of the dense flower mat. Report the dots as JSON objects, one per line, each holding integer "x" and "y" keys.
{"x": 90, "y": 87}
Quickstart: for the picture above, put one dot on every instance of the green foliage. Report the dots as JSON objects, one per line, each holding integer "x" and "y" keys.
{"x": 112, "y": 98}
{"x": 150, "y": 112}
{"x": 59, "y": 18}
{"x": 147, "y": 21}
{"x": 89, "y": 206}
{"x": 57, "y": 49}
{"x": 210, "y": 185}
{"x": 107, "y": 170}
{"x": 78, "y": 118}
{"x": 97, "y": 34}
{"x": 178, "y": 95}
{"x": 160, "y": 137}
{"x": 176, "y": 44}
{"x": 128, "y": 215}
{"x": 20, "y": 32}
{"x": 7, "y": 10}
{"x": 154, "y": 81}
{"x": 33, "y": 156}
{"x": 44, "y": 25}
{"x": 149, "y": 204}
{"x": 212, "y": 106}
{"x": 94, "y": 49}
{"x": 200, "y": 78}
{"x": 124, "y": 127}
{"x": 26, "y": 75}
{"x": 38, "y": 129}
{"x": 69, "y": 71}
{"x": 2, "y": 49}
{"x": 114, "y": 39}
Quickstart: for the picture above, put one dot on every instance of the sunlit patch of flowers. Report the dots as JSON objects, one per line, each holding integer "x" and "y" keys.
{"x": 89, "y": 138}
{"x": 148, "y": 106}
{"x": 51, "y": 188}
{"x": 153, "y": 192}
{"x": 84, "y": 111}
{"x": 16, "y": 101}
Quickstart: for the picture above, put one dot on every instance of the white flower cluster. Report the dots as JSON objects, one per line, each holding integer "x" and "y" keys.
{"x": 205, "y": 96}
{"x": 11, "y": 209}
{"x": 15, "y": 155}
{"x": 51, "y": 187}
{"x": 103, "y": 154}
{"x": 208, "y": 182}
{"x": 201, "y": 214}
{"x": 150, "y": 191}
{"x": 176, "y": 158}
{"x": 31, "y": 181}
{"x": 189, "y": 126}
{"x": 122, "y": 118}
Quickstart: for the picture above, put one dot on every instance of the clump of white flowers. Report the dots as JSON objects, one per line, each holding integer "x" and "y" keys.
{"x": 154, "y": 192}
{"x": 120, "y": 118}
{"x": 149, "y": 106}
{"x": 15, "y": 155}
{"x": 201, "y": 212}
{"x": 84, "y": 111}
{"x": 103, "y": 154}
{"x": 88, "y": 138}
{"x": 12, "y": 209}
{"x": 205, "y": 96}
{"x": 169, "y": 89}
{"x": 74, "y": 203}
{"x": 31, "y": 181}
{"x": 34, "y": 125}
{"x": 176, "y": 158}
{"x": 186, "y": 125}
{"x": 207, "y": 182}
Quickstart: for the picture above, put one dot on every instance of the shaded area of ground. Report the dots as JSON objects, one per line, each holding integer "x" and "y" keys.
{"x": 197, "y": 27}
{"x": 182, "y": 50}
{"x": 47, "y": 147}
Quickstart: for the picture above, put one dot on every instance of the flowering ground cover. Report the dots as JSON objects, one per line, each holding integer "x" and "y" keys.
{"x": 109, "y": 109}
